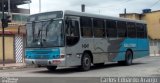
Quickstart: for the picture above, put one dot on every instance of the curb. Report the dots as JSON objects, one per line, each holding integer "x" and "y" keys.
{"x": 17, "y": 67}
{"x": 12, "y": 67}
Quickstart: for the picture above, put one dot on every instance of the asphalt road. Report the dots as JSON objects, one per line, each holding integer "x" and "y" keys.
{"x": 143, "y": 67}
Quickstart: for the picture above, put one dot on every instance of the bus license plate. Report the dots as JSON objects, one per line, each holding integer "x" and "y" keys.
{"x": 41, "y": 62}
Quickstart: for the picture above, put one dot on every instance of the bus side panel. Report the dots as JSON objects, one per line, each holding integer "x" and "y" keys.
{"x": 140, "y": 54}
{"x": 99, "y": 50}
{"x": 114, "y": 46}
{"x": 74, "y": 53}
{"x": 139, "y": 49}
{"x": 143, "y": 48}
{"x": 127, "y": 43}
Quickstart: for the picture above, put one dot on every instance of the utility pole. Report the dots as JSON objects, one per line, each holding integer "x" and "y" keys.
{"x": 39, "y": 6}
{"x": 3, "y": 42}
{"x": 9, "y": 7}
{"x": 29, "y": 7}
{"x": 125, "y": 12}
{"x": 83, "y": 8}
{"x": 4, "y": 21}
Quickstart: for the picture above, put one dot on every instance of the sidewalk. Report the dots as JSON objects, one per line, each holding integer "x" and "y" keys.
{"x": 12, "y": 66}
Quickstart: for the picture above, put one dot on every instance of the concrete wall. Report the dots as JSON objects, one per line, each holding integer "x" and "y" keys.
{"x": 155, "y": 47}
{"x": 14, "y": 48}
{"x": 131, "y": 16}
{"x": 9, "y": 49}
{"x": 153, "y": 24}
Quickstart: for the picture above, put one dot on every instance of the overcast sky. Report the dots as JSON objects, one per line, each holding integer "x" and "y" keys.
{"x": 105, "y": 7}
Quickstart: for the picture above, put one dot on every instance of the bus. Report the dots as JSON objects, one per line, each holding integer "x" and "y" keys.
{"x": 77, "y": 39}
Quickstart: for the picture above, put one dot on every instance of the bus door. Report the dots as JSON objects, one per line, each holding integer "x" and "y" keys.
{"x": 72, "y": 38}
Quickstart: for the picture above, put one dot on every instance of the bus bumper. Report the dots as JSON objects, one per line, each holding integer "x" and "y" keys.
{"x": 46, "y": 62}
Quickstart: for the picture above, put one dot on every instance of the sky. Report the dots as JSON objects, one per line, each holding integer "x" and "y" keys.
{"x": 104, "y": 7}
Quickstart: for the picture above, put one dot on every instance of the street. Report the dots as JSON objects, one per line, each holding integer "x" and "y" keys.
{"x": 148, "y": 66}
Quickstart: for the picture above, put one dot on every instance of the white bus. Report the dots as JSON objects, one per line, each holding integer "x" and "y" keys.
{"x": 69, "y": 38}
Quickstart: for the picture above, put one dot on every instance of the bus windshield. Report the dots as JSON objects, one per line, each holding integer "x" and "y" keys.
{"x": 45, "y": 33}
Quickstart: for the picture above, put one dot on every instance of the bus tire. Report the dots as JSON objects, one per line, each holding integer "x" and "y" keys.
{"x": 51, "y": 68}
{"x": 85, "y": 62}
{"x": 128, "y": 58}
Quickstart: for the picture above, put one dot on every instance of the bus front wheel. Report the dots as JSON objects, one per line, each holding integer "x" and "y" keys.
{"x": 85, "y": 62}
{"x": 51, "y": 68}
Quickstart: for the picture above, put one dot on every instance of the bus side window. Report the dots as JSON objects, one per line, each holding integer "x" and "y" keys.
{"x": 86, "y": 27}
{"x": 72, "y": 32}
{"x": 99, "y": 28}
{"x": 131, "y": 30}
{"x": 141, "y": 30}
{"x": 121, "y": 29}
{"x": 111, "y": 28}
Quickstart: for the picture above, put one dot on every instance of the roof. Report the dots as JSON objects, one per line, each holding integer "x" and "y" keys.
{"x": 8, "y": 33}
{"x": 140, "y": 13}
{"x": 17, "y": 2}
{"x": 13, "y": 29}
{"x": 130, "y": 14}
{"x": 154, "y": 11}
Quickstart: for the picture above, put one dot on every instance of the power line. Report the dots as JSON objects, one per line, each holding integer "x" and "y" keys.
{"x": 119, "y": 4}
{"x": 155, "y": 3}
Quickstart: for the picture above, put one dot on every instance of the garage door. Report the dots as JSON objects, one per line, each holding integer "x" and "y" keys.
{"x": 9, "y": 51}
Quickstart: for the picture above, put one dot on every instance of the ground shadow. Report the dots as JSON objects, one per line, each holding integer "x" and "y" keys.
{"x": 75, "y": 69}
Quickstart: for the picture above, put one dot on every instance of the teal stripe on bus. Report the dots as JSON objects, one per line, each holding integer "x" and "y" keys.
{"x": 42, "y": 53}
{"x": 139, "y": 46}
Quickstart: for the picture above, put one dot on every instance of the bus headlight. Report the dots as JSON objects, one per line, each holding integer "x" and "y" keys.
{"x": 62, "y": 56}
{"x": 58, "y": 56}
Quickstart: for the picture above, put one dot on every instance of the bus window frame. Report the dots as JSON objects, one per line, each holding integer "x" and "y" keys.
{"x": 71, "y": 36}
{"x": 128, "y": 30}
{"x": 104, "y": 28}
{"x": 115, "y": 28}
{"x": 124, "y": 27}
{"x": 91, "y": 27}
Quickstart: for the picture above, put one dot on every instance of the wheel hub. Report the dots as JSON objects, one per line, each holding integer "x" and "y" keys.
{"x": 86, "y": 61}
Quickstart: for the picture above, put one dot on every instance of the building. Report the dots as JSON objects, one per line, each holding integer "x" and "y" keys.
{"x": 152, "y": 19}
{"x": 15, "y": 32}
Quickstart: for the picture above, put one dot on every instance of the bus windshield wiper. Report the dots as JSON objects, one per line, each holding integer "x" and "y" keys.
{"x": 36, "y": 35}
{"x": 46, "y": 26}
{"x": 39, "y": 32}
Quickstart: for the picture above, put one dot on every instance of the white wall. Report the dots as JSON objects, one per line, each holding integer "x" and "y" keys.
{"x": 154, "y": 47}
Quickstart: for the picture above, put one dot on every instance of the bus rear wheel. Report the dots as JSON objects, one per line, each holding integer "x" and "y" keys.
{"x": 51, "y": 68}
{"x": 85, "y": 62}
{"x": 129, "y": 58}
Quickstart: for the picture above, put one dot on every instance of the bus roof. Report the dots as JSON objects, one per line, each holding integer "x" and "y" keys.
{"x": 75, "y": 13}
